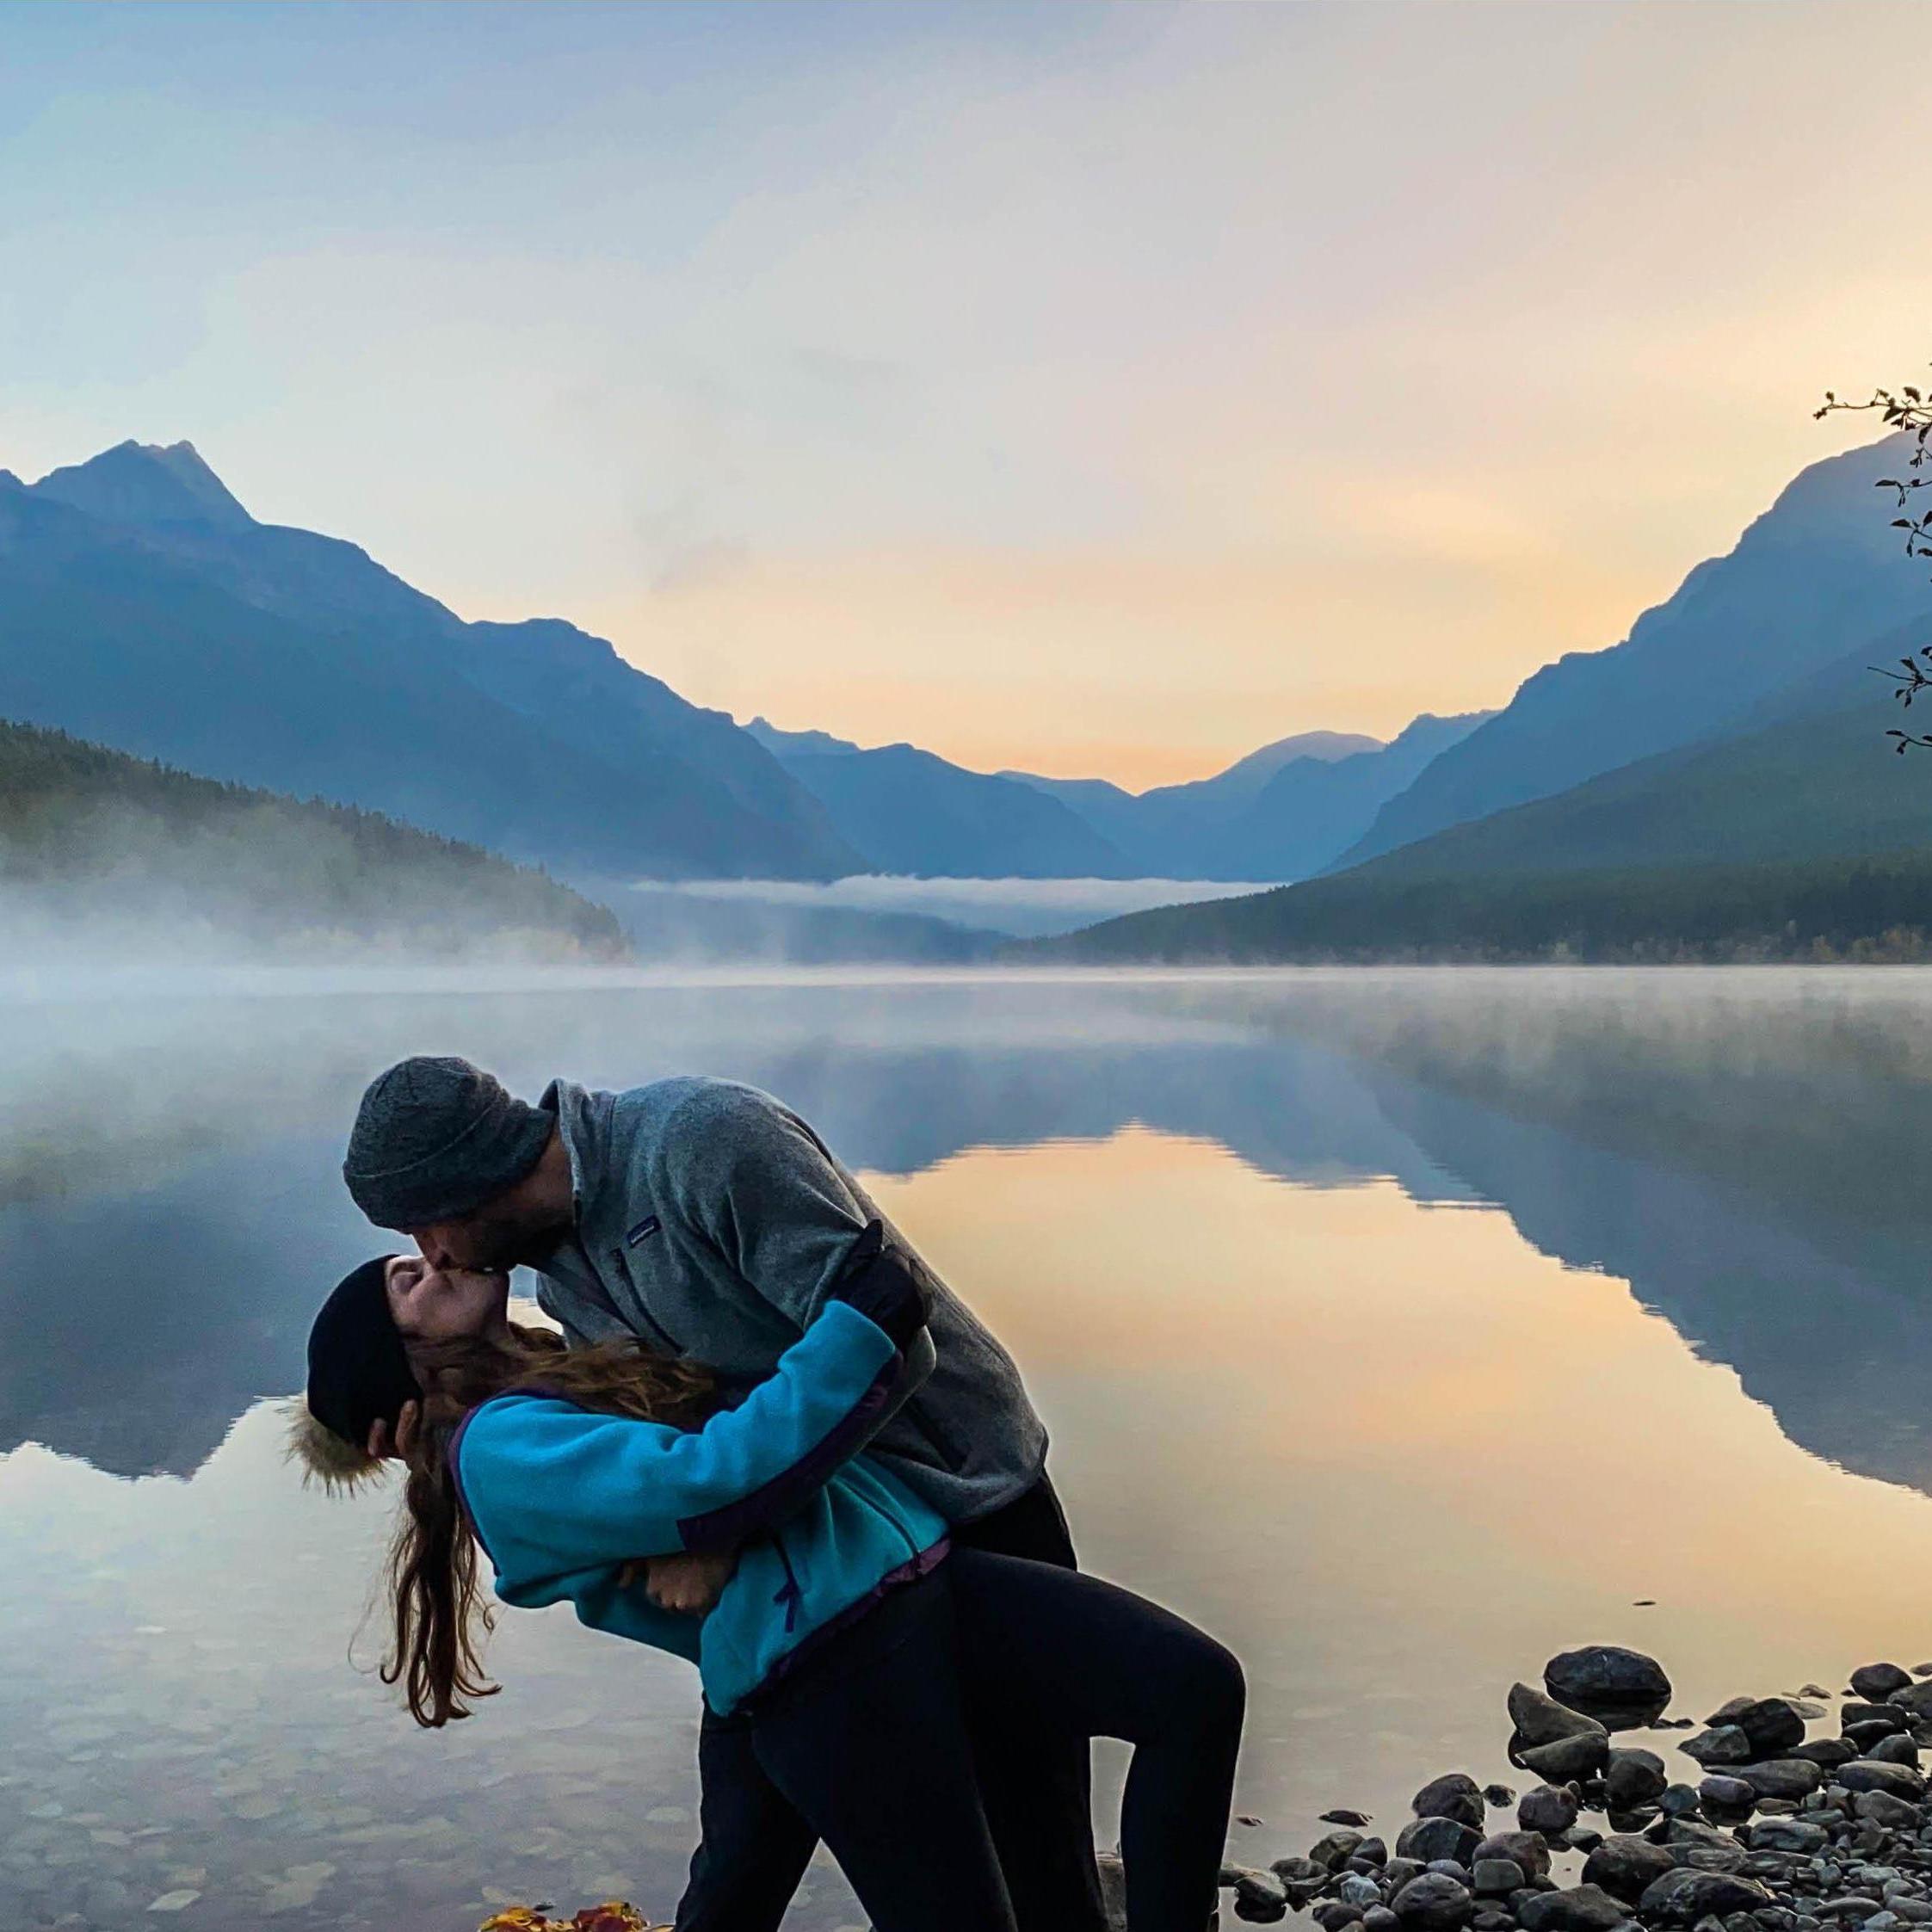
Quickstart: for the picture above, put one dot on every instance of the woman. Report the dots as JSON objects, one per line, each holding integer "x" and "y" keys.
{"x": 847, "y": 1634}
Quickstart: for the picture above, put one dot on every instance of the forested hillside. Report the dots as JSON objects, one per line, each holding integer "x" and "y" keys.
{"x": 105, "y": 851}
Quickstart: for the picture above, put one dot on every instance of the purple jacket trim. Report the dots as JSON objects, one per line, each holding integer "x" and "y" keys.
{"x": 912, "y": 1571}
{"x": 791, "y": 1489}
{"x": 456, "y": 1479}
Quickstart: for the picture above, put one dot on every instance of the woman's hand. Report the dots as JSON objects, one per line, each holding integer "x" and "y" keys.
{"x": 688, "y": 1585}
{"x": 383, "y": 1449}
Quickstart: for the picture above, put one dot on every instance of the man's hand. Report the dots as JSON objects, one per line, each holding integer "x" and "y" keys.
{"x": 688, "y": 1585}
{"x": 382, "y": 1448}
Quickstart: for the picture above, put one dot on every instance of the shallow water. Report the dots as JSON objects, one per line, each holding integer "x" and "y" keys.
{"x": 1403, "y": 1328}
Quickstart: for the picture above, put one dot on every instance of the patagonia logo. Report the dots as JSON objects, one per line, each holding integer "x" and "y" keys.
{"x": 642, "y": 1231}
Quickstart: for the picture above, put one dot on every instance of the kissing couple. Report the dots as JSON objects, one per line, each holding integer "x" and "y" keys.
{"x": 769, "y": 1440}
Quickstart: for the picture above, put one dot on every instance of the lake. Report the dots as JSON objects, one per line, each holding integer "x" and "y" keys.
{"x": 1401, "y": 1327}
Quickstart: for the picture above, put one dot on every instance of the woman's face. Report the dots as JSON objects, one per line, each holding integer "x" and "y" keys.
{"x": 444, "y": 1303}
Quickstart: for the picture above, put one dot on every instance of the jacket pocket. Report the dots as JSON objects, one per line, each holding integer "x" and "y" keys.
{"x": 665, "y": 1341}
{"x": 948, "y": 1451}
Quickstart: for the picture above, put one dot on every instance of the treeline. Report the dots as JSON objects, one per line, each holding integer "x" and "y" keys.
{"x": 1869, "y": 910}
{"x": 95, "y": 843}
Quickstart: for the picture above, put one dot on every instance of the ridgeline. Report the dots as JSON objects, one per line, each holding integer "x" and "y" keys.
{"x": 95, "y": 845}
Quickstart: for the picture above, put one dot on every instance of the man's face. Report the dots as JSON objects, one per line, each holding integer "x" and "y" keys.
{"x": 499, "y": 1240}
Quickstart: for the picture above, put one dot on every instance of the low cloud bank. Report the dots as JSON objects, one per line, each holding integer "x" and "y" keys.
{"x": 1014, "y": 908}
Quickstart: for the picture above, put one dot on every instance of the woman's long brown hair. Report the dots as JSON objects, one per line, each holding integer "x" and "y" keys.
{"x": 441, "y": 1620}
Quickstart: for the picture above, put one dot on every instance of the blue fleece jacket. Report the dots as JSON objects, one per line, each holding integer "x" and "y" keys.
{"x": 562, "y": 1497}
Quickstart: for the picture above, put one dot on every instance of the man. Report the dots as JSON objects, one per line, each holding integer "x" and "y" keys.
{"x": 707, "y": 1220}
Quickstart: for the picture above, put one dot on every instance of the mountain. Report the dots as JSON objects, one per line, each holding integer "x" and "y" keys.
{"x": 1281, "y": 812}
{"x": 1179, "y": 831}
{"x": 116, "y": 854}
{"x": 916, "y": 813}
{"x": 1816, "y": 572}
{"x": 1311, "y": 810}
{"x": 1804, "y": 836}
{"x": 143, "y": 606}
{"x": 796, "y": 745}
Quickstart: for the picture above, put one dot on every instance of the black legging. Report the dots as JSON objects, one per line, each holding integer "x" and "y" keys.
{"x": 872, "y": 1742}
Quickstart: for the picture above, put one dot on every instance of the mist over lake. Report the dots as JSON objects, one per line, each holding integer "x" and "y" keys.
{"x": 1402, "y": 1329}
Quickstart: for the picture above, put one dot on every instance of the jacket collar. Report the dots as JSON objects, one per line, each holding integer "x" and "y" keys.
{"x": 585, "y": 1123}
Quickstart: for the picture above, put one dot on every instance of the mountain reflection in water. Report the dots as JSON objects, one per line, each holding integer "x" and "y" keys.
{"x": 1403, "y": 1328}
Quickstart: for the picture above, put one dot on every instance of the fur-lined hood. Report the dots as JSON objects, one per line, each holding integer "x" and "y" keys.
{"x": 340, "y": 1466}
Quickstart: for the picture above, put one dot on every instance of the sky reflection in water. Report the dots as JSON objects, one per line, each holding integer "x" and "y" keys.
{"x": 1402, "y": 1329}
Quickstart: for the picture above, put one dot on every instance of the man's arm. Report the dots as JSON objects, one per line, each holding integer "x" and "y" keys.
{"x": 757, "y": 1184}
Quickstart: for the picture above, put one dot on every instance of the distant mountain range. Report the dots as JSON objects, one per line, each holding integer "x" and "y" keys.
{"x": 141, "y": 605}
{"x": 1736, "y": 726}
{"x": 1281, "y": 812}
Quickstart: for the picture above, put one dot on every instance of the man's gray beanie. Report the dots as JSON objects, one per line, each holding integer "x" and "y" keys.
{"x": 435, "y": 1139}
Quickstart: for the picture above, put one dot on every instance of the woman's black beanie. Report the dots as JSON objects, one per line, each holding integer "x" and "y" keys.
{"x": 358, "y": 1370}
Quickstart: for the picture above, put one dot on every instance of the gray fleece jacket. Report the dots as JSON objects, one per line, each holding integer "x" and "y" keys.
{"x": 711, "y": 1220}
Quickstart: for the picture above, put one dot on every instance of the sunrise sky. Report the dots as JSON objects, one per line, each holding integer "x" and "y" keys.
{"x": 1096, "y": 389}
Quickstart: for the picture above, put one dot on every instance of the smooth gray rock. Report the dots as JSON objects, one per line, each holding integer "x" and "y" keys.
{"x": 1877, "y": 1681}
{"x": 1569, "y": 1759}
{"x": 1497, "y": 1878}
{"x": 1540, "y": 1719}
{"x": 1588, "y": 1908}
{"x": 1329, "y": 1852}
{"x": 1828, "y": 1752}
{"x": 1357, "y": 1888}
{"x": 1331, "y": 1915}
{"x": 1894, "y": 1717}
{"x": 1433, "y": 1903}
{"x": 1789, "y": 1834}
{"x": 1380, "y": 1918}
{"x": 1631, "y": 1778}
{"x": 1370, "y": 1851}
{"x": 1430, "y": 1838}
{"x": 1302, "y": 1877}
{"x": 1916, "y": 1699}
{"x": 1398, "y": 1872}
{"x": 1550, "y": 1808}
{"x": 1723, "y": 1744}
{"x": 1898, "y": 1748}
{"x": 1783, "y": 1777}
{"x": 1529, "y": 1850}
{"x": 1500, "y": 1797}
{"x": 1259, "y": 1899}
{"x": 1455, "y": 1795}
{"x": 1771, "y": 1724}
{"x": 1606, "y": 1675}
{"x": 1679, "y": 1801}
{"x": 1341, "y": 1816}
{"x": 1730, "y": 1795}
{"x": 1684, "y": 1896}
{"x": 1864, "y": 1774}
{"x": 1894, "y": 1812}
{"x": 1727, "y": 1857}
{"x": 1627, "y": 1866}
{"x": 1726, "y": 1713}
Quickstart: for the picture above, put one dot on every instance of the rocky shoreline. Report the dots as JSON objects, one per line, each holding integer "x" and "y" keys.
{"x": 1786, "y": 1831}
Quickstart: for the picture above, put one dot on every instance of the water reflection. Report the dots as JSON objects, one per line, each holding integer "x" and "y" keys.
{"x": 1403, "y": 1328}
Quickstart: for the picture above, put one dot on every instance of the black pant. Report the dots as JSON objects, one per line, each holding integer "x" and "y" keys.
{"x": 754, "y": 1846}
{"x": 871, "y": 1742}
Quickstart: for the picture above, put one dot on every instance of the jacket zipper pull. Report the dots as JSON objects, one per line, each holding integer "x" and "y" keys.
{"x": 789, "y": 1594}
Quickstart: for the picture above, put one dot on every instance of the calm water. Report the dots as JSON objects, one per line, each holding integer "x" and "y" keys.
{"x": 1402, "y": 1329}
